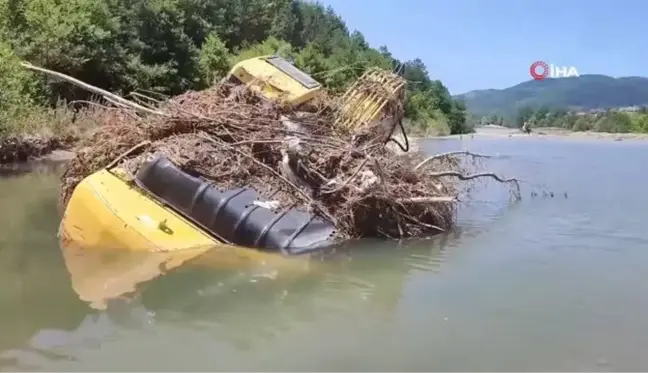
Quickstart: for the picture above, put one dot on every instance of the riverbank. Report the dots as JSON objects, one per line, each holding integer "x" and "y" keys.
{"x": 46, "y": 133}
{"x": 549, "y": 133}
{"x": 17, "y": 149}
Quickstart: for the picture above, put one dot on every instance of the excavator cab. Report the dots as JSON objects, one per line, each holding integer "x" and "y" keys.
{"x": 276, "y": 79}
{"x": 377, "y": 94}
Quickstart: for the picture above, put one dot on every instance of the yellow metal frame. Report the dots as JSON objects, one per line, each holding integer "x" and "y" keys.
{"x": 362, "y": 103}
{"x": 260, "y": 76}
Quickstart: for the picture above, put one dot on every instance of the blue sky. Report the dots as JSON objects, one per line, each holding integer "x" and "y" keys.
{"x": 481, "y": 44}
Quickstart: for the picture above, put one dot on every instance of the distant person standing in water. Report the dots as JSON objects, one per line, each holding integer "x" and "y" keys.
{"x": 526, "y": 128}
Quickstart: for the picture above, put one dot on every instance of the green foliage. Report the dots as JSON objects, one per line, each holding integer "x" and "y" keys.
{"x": 20, "y": 90}
{"x": 639, "y": 122}
{"x": 523, "y": 116}
{"x": 612, "y": 121}
{"x": 583, "y": 124}
{"x": 268, "y": 47}
{"x": 214, "y": 59}
{"x": 171, "y": 46}
{"x": 311, "y": 60}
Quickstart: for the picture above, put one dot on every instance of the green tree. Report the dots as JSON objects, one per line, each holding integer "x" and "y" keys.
{"x": 639, "y": 122}
{"x": 524, "y": 114}
{"x": 583, "y": 124}
{"x": 214, "y": 59}
{"x": 268, "y": 47}
{"x": 21, "y": 90}
{"x": 285, "y": 21}
{"x": 171, "y": 46}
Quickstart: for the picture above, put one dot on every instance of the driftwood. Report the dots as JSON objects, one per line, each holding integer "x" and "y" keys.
{"x": 110, "y": 97}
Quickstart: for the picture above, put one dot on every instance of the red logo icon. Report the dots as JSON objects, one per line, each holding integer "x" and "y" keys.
{"x": 539, "y": 70}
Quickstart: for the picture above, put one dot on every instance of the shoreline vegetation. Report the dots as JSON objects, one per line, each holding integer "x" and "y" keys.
{"x": 165, "y": 48}
{"x": 547, "y": 133}
{"x": 613, "y": 121}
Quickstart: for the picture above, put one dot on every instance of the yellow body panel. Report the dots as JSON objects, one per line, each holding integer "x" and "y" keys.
{"x": 271, "y": 82}
{"x": 106, "y": 212}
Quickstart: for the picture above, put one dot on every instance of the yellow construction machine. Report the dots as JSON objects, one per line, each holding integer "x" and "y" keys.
{"x": 165, "y": 209}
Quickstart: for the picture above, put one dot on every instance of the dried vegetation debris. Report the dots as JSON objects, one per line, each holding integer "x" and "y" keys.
{"x": 233, "y": 138}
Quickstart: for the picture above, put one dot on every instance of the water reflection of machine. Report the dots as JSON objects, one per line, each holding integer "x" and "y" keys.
{"x": 253, "y": 299}
{"x": 101, "y": 275}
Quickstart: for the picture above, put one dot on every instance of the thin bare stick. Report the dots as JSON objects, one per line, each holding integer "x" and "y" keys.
{"x": 127, "y": 153}
{"x": 472, "y": 176}
{"x": 443, "y": 155}
{"x": 461, "y": 176}
{"x": 92, "y": 89}
{"x": 162, "y": 96}
{"x": 142, "y": 100}
{"x": 136, "y": 94}
{"x": 117, "y": 103}
{"x": 427, "y": 199}
{"x": 258, "y": 142}
{"x": 425, "y": 224}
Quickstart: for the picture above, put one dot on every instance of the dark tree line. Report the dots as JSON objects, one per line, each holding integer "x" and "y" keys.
{"x": 171, "y": 46}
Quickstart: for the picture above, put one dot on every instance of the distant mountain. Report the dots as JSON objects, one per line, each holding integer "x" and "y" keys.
{"x": 585, "y": 92}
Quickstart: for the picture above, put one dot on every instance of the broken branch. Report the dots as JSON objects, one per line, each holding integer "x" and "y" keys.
{"x": 444, "y": 155}
{"x": 105, "y": 94}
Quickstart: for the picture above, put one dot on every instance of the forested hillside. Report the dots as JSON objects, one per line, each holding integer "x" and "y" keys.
{"x": 171, "y": 46}
{"x": 577, "y": 94}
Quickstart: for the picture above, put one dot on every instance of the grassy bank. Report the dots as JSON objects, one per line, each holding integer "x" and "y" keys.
{"x": 39, "y": 131}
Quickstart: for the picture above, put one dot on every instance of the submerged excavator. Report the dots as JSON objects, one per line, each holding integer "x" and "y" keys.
{"x": 166, "y": 209}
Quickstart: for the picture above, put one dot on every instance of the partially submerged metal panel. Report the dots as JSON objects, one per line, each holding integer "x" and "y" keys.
{"x": 234, "y": 216}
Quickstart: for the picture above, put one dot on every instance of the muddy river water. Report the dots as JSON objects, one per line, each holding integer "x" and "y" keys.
{"x": 545, "y": 284}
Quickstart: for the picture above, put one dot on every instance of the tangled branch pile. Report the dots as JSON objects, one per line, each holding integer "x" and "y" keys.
{"x": 230, "y": 136}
